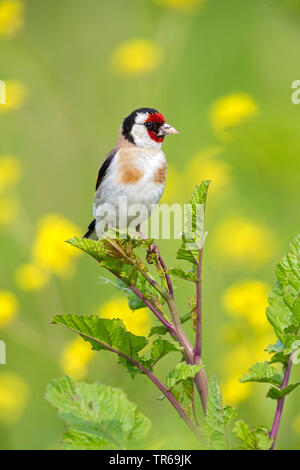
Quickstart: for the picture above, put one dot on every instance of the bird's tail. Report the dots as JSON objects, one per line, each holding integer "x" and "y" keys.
{"x": 91, "y": 233}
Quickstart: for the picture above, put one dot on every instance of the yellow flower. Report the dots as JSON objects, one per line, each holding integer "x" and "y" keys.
{"x": 137, "y": 322}
{"x": 136, "y": 57}
{"x": 9, "y": 209}
{"x": 31, "y": 277}
{"x": 296, "y": 424}
{"x": 248, "y": 299}
{"x": 75, "y": 357}
{"x": 184, "y": 5}
{"x": 10, "y": 172}
{"x": 13, "y": 397}
{"x": 50, "y": 251}
{"x": 205, "y": 165}
{"x": 173, "y": 186}
{"x": 8, "y": 307}
{"x": 11, "y": 17}
{"x": 234, "y": 392}
{"x": 230, "y": 111}
{"x": 15, "y": 96}
{"x": 245, "y": 241}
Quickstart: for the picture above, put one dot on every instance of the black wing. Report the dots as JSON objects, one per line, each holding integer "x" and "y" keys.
{"x": 104, "y": 166}
{"x": 103, "y": 169}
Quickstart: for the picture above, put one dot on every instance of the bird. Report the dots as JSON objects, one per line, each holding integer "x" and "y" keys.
{"x": 132, "y": 177}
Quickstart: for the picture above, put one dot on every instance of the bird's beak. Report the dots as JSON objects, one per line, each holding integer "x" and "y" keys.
{"x": 166, "y": 129}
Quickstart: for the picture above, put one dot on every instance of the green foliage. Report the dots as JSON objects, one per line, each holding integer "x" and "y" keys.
{"x": 194, "y": 235}
{"x": 283, "y": 310}
{"x": 161, "y": 348}
{"x": 180, "y": 373}
{"x": 256, "y": 439}
{"x": 181, "y": 274}
{"x": 217, "y": 418}
{"x": 97, "y": 416}
{"x": 263, "y": 372}
{"x": 108, "y": 334}
{"x": 276, "y": 393}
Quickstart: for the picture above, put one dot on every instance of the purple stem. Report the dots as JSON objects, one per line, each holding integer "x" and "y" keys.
{"x": 168, "y": 279}
{"x": 153, "y": 378}
{"x": 280, "y": 403}
{"x": 198, "y": 348}
{"x": 153, "y": 309}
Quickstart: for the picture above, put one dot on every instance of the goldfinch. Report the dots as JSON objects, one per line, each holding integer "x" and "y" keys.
{"x": 132, "y": 178}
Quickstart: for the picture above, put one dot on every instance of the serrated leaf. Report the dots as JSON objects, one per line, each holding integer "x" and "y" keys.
{"x": 194, "y": 233}
{"x": 257, "y": 439}
{"x": 96, "y": 416}
{"x": 180, "y": 273}
{"x": 283, "y": 307}
{"x": 276, "y": 393}
{"x": 104, "y": 333}
{"x": 296, "y": 311}
{"x": 263, "y": 372}
{"x": 181, "y": 372}
{"x": 215, "y": 426}
{"x": 131, "y": 276}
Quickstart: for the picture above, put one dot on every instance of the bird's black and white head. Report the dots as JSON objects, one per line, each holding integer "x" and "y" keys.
{"x": 147, "y": 128}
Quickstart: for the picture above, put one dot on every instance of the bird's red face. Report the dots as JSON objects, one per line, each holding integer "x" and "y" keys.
{"x": 153, "y": 124}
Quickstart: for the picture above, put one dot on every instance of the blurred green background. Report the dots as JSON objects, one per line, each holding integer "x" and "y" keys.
{"x": 221, "y": 73}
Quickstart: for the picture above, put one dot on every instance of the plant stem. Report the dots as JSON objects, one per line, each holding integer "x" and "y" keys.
{"x": 198, "y": 345}
{"x": 153, "y": 378}
{"x": 168, "y": 279}
{"x": 280, "y": 403}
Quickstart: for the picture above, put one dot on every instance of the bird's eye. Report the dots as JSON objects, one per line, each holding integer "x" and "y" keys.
{"x": 148, "y": 125}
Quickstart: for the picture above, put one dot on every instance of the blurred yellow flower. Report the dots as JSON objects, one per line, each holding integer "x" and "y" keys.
{"x": 173, "y": 186}
{"x": 137, "y": 322}
{"x": 234, "y": 392}
{"x": 8, "y": 307}
{"x": 136, "y": 57}
{"x": 230, "y": 111}
{"x": 11, "y": 17}
{"x": 296, "y": 424}
{"x": 75, "y": 357}
{"x": 244, "y": 241}
{"x": 50, "y": 250}
{"x": 31, "y": 277}
{"x": 184, "y": 5}
{"x": 15, "y": 95}
{"x": 204, "y": 166}
{"x": 248, "y": 299}
{"x": 14, "y": 394}
{"x": 10, "y": 172}
{"x": 9, "y": 209}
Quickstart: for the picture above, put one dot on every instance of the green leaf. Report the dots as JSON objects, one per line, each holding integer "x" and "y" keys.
{"x": 194, "y": 235}
{"x": 263, "y": 372}
{"x": 215, "y": 421}
{"x": 104, "y": 333}
{"x": 283, "y": 310}
{"x": 179, "y": 272}
{"x": 257, "y": 439}
{"x": 181, "y": 372}
{"x": 161, "y": 348}
{"x": 229, "y": 413}
{"x": 276, "y": 393}
{"x": 96, "y": 416}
